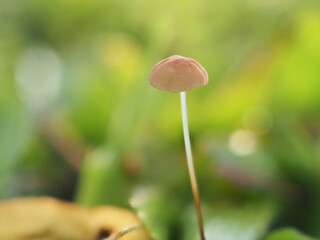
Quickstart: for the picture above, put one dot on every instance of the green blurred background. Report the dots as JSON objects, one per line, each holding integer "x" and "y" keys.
{"x": 79, "y": 121}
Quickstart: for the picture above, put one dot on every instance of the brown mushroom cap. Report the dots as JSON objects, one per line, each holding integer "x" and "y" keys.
{"x": 178, "y": 74}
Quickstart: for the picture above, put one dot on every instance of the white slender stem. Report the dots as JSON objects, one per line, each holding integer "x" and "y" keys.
{"x": 192, "y": 173}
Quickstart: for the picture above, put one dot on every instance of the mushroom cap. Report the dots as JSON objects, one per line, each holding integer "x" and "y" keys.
{"x": 178, "y": 74}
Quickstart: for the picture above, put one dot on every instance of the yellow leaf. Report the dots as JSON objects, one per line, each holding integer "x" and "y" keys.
{"x": 52, "y": 219}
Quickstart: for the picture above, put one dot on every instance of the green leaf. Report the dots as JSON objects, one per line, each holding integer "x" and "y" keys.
{"x": 156, "y": 210}
{"x": 229, "y": 221}
{"x": 102, "y": 180}
{"x": 15, "y": 133}
{"x": 287, "y": 234}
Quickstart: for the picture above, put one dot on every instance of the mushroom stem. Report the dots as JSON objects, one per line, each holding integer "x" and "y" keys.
{"x": 192, "y": 173}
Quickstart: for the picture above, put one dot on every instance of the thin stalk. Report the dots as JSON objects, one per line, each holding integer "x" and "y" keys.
{"x": 192, "y": 173}
{"x": 125, "y": 231}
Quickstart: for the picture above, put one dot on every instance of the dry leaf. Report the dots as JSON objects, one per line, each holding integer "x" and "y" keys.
{"x": 52, "y": 219}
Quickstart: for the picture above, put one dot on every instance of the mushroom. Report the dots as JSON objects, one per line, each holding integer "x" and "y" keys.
{"x": 181, "y": 74}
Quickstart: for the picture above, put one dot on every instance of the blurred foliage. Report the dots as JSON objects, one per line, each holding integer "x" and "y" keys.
{"x": 156, "y": 210}
{"x": 227, "y": 221}
{"x": 287, "y": 234}
{"x": 79, "y": 121}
